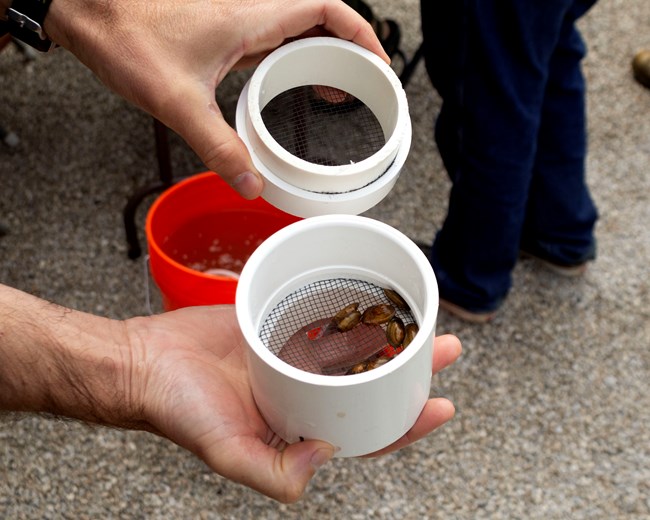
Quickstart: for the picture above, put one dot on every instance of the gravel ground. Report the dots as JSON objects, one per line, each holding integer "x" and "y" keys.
{"x": 553, "y": 408}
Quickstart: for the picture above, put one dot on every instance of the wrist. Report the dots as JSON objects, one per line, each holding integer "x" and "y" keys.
{"x": 64, "y": 362}
{"x": 71, "y": 22}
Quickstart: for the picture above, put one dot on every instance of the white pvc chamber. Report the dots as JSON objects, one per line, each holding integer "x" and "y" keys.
{"x": 305, "y": 188}
{"x": 359, "y": 413}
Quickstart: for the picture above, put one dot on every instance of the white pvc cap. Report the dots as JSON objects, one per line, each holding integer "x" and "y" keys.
{"x": 308, "y": 189}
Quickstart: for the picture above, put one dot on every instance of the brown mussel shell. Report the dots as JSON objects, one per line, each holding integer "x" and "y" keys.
{"x": 368, "y": 364}
{"x": 357, "y": 369}
{"x": 347, "y": 318}
{"x": 409, "y": 333}
{"x": 396, "y": 299}
{"x": 345, "y": 311}
{"x": 350, "y": 321}
{"x": 378, "y": 314}
{"x": 395, "y": 331}
{"x": 380, "y": 361}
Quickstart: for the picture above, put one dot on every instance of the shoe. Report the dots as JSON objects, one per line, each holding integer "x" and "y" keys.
{"x": 452, "y": 308}
{"x": 569, "y": 271}
{"x": 465, "y": 315}
{"x": 641, "y": 67}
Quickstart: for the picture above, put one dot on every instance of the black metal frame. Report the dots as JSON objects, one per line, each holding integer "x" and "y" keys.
{"x": 166, "y": 179}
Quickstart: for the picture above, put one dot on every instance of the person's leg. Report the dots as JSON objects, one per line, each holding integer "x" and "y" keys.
{"x": 489, "y": 61}
{"x": 561, "y": 215}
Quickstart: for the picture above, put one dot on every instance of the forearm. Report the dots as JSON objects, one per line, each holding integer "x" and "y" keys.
{"x": 59, "y": 361}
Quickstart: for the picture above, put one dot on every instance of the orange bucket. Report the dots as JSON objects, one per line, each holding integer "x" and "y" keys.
{"x": 200, "y": 232}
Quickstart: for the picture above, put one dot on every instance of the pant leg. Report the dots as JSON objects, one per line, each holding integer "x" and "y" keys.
{"x": 561, "y": 215}
{"x": 489, "y": 60}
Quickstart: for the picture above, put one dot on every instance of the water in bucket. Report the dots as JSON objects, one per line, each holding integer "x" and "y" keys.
{"x": 200, "y": 233}
{"x": 214, "y": 244}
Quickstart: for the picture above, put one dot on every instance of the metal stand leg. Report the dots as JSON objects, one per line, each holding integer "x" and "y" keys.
{"x": 409, "y": 68}
{"x": 166, "y": 180}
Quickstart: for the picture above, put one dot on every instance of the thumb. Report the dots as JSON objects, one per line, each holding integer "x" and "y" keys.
{"x": 282, "y": 475}
{"x": 205, "y": 130}
{"x": 297, "y": 465}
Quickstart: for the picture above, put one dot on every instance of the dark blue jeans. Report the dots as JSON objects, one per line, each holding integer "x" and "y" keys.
{"x": 512, "y": 136}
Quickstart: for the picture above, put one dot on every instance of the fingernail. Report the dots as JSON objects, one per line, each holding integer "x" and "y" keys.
{"x": 248, "y": 185}
{"x": 321, "y": 457}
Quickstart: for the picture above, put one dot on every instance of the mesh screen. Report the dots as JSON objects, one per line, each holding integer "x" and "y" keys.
{"x": 300, "y": 330}
{"x": 323, "y": 125}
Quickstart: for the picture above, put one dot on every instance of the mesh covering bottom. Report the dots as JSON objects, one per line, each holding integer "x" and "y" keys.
{"x": 293, "y": 329}
{"x": 323, "y": 125}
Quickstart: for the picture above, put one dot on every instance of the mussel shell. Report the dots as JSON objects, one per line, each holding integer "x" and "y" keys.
{"x": 369, "y": 364}
{"x": 409, "y": 333}
{"x": 396, "y": 299}
{"x": 380, "y": 361}
{"x": 378, "y": 314}
{"x": 357, "y": 369}
{"x": 344, "y": 312}
{"x": 350, "y": 321}
{"x": 395, "y": 331}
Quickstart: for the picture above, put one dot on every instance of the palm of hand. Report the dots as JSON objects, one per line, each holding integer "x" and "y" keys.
{"x": 196, "y": 393}
{"x": 198, "y": 390}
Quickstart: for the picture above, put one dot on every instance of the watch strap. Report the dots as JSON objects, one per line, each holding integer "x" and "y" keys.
{"x": 25, "y": 19}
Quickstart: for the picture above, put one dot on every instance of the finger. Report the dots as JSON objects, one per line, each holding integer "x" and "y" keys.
{"x": 337, "y": 20}
{"x": 200, "y": 122}
{"x": 281, "y": 475}
{"x": 435, "y": 413}
{"x": 446, "y": 349}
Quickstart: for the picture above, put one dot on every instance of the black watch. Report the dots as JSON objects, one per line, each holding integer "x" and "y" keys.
{"x": 24, "y": 21}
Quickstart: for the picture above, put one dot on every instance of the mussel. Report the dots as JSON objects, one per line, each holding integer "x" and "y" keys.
{"x": 409, "y": 333}
{"x": 396, "y": 299}
{"x": 378, "y": 314}
{"x": 369, "y": 364}
{"x": 395, "y": 331}
{"x": 347, "y": 318}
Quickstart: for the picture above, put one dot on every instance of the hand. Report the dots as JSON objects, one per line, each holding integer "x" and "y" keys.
{"x": 168, "y": 57}
{"x": 191, "y": 383}
{"x": 182, "y": 375}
